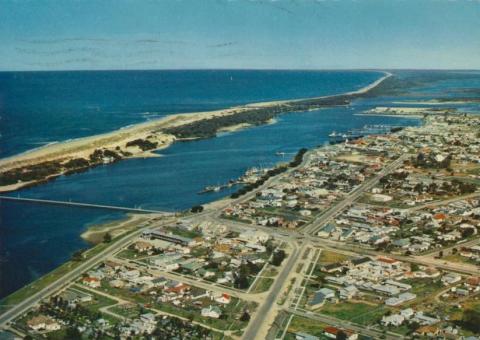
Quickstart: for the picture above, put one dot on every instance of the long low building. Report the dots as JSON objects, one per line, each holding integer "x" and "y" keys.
{"x": 158, "y": 234}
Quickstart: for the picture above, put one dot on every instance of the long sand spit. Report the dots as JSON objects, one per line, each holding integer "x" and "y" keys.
{"x": 83, "y": 147}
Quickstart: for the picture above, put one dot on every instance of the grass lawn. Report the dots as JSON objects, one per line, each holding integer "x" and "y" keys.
{"x": 361, "y": 313}
{"x": 458, "y": 258}
{"x": 128, "y": 254}
{"x": 263, "y": 284}
{"x": 270, "y": 272}
{"x": 305, "y": 325}
{"x": 327, "y": 257}
{"x": 424, "y": 287}
{"x": 183, "y": 232}
{"x": 131, "y": 311}
{"x": 97, "y": 302}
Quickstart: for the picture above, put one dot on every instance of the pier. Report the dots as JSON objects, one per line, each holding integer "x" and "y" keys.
{"x": 353, "y": 134}
{"x": 82, "y": 205}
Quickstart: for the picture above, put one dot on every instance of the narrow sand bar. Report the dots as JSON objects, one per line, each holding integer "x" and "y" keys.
{"x": 153, "y": 131}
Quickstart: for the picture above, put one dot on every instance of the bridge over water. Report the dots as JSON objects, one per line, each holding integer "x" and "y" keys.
{"x": 82, "y": 205}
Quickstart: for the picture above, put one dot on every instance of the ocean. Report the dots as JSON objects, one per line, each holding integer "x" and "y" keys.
{"x": 44, "y": 107}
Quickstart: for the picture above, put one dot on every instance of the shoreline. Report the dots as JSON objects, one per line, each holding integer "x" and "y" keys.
{"x": 94, "y": 233}
{"x": 142, "y": 139}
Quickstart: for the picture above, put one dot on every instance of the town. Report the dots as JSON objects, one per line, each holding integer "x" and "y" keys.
{"x": 371, "y": 238}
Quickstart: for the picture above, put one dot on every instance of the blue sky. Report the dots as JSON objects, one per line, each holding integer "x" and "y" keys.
{"x": 281, "y": 34}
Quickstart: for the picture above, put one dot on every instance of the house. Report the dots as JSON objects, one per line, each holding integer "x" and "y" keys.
{"x": 305, "y": 336}
{"x": 331, "y": 332}
{"x": 473, "y": 281}
{"x": 72, "y": 297}
{"x": 407, "y": 313}
{"x": 428, "y": 330}
{"x": 348, "y": 292}
{"x": 211, "y": 312}
{"x": 91, "y": 282}
{"x": 43, "y": 322}
{"x": 320, "y": 297}
{"x": 360, "y": 260}
{"x": 224, "y": 299}
{"x": 381, "y": 198}
{"x": 326, "y": 231}
{"x": 393, "y": 320}
{"x": 423, "y": 319}
{"x": 404, "y": 297}
{"x": 450, "y": 278}
{"x": 332, "y": 267}
{"x": 142, "y": 246}
{"x": 115, "y": 283}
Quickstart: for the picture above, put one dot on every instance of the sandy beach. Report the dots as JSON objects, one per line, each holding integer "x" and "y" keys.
{"x": 153, "y": 131}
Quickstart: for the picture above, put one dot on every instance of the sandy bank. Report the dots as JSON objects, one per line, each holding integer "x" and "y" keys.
{"x": 118, "y": 141}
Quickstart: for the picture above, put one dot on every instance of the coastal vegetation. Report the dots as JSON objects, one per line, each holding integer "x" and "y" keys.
{"x": 77, "y": 156}
{"x": 143, "y": 144}
{"x": 50, "y": 169}
{"x": 253, "y": 115}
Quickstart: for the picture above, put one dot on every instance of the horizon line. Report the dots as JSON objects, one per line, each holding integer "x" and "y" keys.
{"x": 373, "y": 69}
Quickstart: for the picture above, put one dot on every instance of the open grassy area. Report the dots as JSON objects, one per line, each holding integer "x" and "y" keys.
{"x": 188, "y": 312}
{"x": 424, "y": 288}
{"x": 327, "y": 257}
{"x": 458, "y": 259}
{"x": 98, "y": 301}
{"x": 270, "y": 272}
{"x": 301, "y": 324}
{"x": 129, "y": 254}
{"x": 131, "y": 311}
{"x": 183, "y": 232}
{"x": 361, "y": 313}
{"x": 262, "y": 285}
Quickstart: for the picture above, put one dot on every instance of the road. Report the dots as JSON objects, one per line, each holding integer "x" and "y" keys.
{"x": 350, "y": 198}
{"x": 342, "y": 324}
{"x": 260, "y": 315}
{"x": 443, "y": 202}
{"x": 268, "y": 299}
{"x": 211, "y": 286}
{"x": 29, "y": 302}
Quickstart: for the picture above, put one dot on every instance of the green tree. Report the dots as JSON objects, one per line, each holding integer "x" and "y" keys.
{"x": 107, "y": 238}
{"x": 72, "y": 333}
{"x": 245, "y": 316}
{"x": 278, "y": 257}
{"x": 197, "y": 209}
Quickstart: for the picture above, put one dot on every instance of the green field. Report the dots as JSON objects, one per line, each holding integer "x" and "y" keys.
{"x": 361, "y": 313}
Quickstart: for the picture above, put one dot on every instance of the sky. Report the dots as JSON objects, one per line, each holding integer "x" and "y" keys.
{"x": 239, "y": 34}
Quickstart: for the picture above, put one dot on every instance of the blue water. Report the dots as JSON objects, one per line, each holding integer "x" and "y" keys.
{"x": 35, "y": 239}
{"x": 37, "y": 108}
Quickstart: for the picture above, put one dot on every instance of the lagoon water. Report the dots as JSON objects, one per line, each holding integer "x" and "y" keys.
{"x": 34, "y": 239}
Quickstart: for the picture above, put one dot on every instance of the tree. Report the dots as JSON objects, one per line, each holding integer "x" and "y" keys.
{"x": 278, "y": 257}
{"x": 245, "y": 316}
{"x": 107, "y": 238}
{"x": 471, "y": 320}
{"x": 197, "y": 209}
{"x": 341, "y": 335}
{"x": 78, "y": 255}
{"x": 414, "y": 267}
{"x": 241, "y": 281}
{"x": 73, "y": 333}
